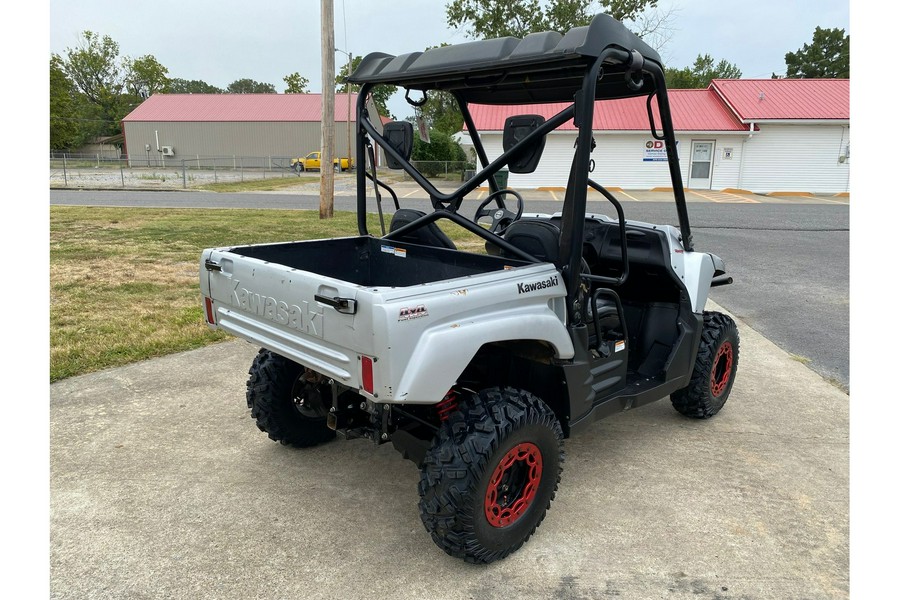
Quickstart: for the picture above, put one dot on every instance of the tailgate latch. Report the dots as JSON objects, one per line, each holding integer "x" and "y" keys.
{"x": 342, "y": 305}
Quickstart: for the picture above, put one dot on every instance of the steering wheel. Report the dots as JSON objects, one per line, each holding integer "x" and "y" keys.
{"x": 501, "y": 217}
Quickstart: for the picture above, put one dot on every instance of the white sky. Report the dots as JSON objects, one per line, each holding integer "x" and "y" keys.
{"x": 221, "y": 41}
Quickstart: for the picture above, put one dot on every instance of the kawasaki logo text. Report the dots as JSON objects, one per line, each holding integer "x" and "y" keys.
{"x": 302, "y": 318}
{"x": 525, "y": 288}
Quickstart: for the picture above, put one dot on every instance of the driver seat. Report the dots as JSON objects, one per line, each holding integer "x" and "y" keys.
{"x": 537, "y": 237}
{"x": 429, "y": 235}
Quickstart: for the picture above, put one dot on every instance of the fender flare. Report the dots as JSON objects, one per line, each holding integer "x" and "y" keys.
{"x": 432, "y": 370}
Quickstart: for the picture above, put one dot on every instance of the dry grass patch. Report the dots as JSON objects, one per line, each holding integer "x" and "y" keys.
{"x": 124, "y": 282}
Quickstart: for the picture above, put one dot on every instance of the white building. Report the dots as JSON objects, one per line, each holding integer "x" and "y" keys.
{"x": 761, "y": 135}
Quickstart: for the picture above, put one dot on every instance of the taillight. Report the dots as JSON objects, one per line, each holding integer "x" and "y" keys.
{"x": 367, "y": 380}
{"x": 210, "y": 313}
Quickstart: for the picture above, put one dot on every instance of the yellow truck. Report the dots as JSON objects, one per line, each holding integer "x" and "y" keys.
{"x": 313, "y": 162}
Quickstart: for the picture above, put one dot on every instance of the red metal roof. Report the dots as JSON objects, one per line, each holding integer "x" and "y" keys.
{"x": 238, "y": 107}
{"x": 789, "y": 99}
{"x": 692, "y": 110}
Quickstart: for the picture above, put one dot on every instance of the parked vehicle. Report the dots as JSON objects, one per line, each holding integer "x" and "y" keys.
{"x": 477, "y": 366}
{"x": 313, "y": 162}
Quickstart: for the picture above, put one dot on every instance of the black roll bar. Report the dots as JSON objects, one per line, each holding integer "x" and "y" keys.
{"x": 665, "y": 115}
{"x": 453, "y": 200}
{"x": 465, "y": 224}
{"x": 622, "y": 233}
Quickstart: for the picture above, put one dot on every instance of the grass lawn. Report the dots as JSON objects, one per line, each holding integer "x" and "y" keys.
{"x": 257, "y": 185}
{"x": 124, "y": 281}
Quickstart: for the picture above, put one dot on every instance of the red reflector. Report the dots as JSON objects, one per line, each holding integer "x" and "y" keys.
{"x": 367, "y": 383}
{"x": 210, "y": 314}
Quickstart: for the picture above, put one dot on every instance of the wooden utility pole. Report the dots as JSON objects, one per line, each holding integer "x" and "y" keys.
{"x": 326, "y": 187}
{"x": 349, "y": 108}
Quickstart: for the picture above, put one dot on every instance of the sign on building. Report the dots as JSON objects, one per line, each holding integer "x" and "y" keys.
{"x": 655, "y": 151}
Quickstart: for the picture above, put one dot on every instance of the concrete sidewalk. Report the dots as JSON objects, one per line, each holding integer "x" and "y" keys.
{"x": 162, "y": 487}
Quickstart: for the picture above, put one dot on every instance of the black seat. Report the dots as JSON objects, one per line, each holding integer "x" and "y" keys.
{"x": 537, "y": 237}
{"x": 429, "y": 235}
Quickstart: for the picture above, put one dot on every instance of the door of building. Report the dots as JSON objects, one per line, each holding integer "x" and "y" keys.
{"x": 702, "y": 153}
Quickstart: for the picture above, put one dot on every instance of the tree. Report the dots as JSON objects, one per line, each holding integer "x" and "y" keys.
{"x": 64, "y": 124}
{"x": 492, "y": 18}
{"x": 95, "y": 71}
{"x": 194, "y": 86}
{"x": 144, "y": 76}
{"x": 828, "y": 56}
{"x": 380, "y": 93}
{"x": 249, "y": 86}
{"x": 704, "y": 70}
{"x": 296, "y": 84}
{"x": 440, "y": 149}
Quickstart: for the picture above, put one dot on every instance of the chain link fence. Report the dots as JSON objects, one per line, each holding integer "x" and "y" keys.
{"x": 161, "y": 172}
{"x": 442, "y": 169}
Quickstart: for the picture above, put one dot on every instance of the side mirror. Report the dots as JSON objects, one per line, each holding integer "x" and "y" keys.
{"x": 399, "y": 135}
{"x": 517, "y": 129}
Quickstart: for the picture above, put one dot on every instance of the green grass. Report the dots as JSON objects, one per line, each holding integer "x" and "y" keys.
{"x": 124, "y": 281}
{"x": 257, "y": 185}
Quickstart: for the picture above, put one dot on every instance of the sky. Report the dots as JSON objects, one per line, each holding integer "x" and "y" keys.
{"x": 222, "y": 41}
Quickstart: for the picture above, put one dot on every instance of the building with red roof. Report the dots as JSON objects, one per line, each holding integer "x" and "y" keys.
{"x": 761, "y": 135}
{"x": 268, "y": 128}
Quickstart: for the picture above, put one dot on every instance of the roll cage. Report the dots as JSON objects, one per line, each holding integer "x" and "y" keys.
{"x": 600, "y": 61}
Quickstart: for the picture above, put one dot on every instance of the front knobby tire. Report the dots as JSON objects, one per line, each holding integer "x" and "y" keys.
{"x": 286, "y": 405}
{"x": 491, "y": 474}
{"x": 714, "y": 369}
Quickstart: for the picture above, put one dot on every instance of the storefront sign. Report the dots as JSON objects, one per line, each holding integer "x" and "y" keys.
{"x": 655, "y": 151}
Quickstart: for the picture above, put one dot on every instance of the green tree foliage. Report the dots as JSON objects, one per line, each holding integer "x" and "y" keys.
{"x": 441, "y": 148}
{"x": 95, "y": 70}
{"x": 144, "y": 77}
{"x": 828, "y": 56}
{"x": 494, "y": 18}
{"x": 249, "y": 86}
{"x": 380, "y": 93}
{"x": 65, "y": 132}
{"x": 704, "y": 70}
{"x": 106, "y": 87}
{"x": 296, "y": 84}
{"x": 194, "y": 86}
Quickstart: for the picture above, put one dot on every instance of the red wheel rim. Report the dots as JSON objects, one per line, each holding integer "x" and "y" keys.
{"x": 513, "y": 485}
{"x": 721, "y": 371}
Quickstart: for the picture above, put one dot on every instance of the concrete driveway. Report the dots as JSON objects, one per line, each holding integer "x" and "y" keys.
{"x": 162, "y": 487}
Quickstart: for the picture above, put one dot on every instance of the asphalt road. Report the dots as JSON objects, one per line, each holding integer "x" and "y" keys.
{"x": 790, "y": 261}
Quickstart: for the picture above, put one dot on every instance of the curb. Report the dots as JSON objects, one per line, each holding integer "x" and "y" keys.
{"x": 792, "y": 194}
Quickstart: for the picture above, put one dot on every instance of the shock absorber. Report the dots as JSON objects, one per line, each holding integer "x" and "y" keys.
{"x": 446, "y": 406}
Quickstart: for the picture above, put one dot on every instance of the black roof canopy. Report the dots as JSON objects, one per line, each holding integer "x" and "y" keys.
{"x": 541, "y": 67}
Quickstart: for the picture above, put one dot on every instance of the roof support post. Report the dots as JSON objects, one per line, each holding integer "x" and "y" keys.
{"x": 476, "y": 139}
{"x": 361, "y": 155}
{"x": 665, "y": 115}
{"x": 575, "y": 204}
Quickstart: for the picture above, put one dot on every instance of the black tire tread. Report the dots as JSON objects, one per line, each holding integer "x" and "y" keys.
{"x": 269, "y": 389}
{"x": 457, "y": 461}
{"x": 695, "y": 400}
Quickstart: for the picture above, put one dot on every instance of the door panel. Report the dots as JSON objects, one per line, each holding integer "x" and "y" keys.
{"x": 702, "y": 153}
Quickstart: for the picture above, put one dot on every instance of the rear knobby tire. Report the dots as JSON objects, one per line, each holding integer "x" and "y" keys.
{"x": 491, "y": 473}
{"x": 289, "y": 410}
{"x": 714, "y": 370}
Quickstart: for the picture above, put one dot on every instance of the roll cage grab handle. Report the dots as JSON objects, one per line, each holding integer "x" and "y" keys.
{"x": 575, "y": 204}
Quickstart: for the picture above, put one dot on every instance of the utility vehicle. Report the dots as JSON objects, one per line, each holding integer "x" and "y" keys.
{"x": 477, "y": 366}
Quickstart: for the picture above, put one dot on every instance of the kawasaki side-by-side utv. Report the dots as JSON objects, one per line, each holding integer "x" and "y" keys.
{"x": 477, "y": 365}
